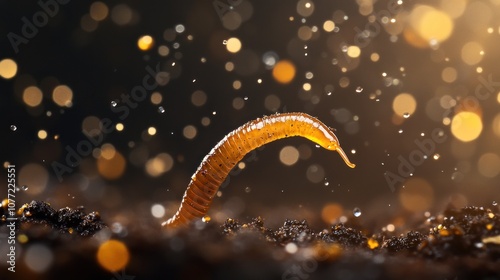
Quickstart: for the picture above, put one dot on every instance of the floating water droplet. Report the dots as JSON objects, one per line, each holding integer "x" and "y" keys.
{"x": 406, "y": 115}
{"x": 224, "y": 42}
{"x": 329, "y": 93}
{"x": 24, "y": 187}
{"x": 436, "y": 156}
{"x": 13, "y": 127}
{"x": 248, "y": 189}
{"x": 326, "y": 183}
{"x": 359, "y": 89}
{"x": 357, "y": 212}
{"x": 353, "y": 151}
{"x": 400, "y": 131}
{"x": 161, "y": 110}
{"x": 494, "y": 203}
{"x": 214, "y": 113}
{"x": 113, "y": 103}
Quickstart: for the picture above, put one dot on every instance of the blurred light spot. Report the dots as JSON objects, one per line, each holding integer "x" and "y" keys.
{"x": 233, "y": 45}
{"x": 42, "y": 134}
{"x": 113, "y": 255}
{"x": 238, "y": 103}
{"x": 63, "y": 96}
{"x": 38, "y": 258}
{"x": 284, "y": 71}
{"x": 32, "y": 96}
{"x": 489, "y": 165}
{"x": 304, "y": 33}
{"x": 353, "y": 51}
{"x": 237, "y": 84}
{"x": 152, "y": 130}
{"x": 179, "y": 28}
{"x": 112, "y": 168}
{"x": 119, "y": 127}
{"x": 289, "y": 155}
{"x": 88, "y": 24}
{"x": 91, "y": 126}
{"x": 98, "y": 11}
{"x": 344, "y": 82}
{"x": 272, "y": 102}
{"x": 305, "y": 8}
{"x": 35, "y": 176}
{"x": 471, "y": 53}
{"x": 404, "y": 103}
{"x": 417, "y": 195}
{"x": 108, "y": 151}
{"x": 431, "y": 24}
{"x": 198, "y": 98}
{"x": 291, "y": 248}
{"x": 466, "y": 126}
{"x": 229, "y": 66}
{"x": 8, "y": 68}
{"x": 121, "y": 14}
{"x": 306, "y": 86}
{"x": 160, "y": 164}
{"x": 454, "y": 8}
{"x": 328, "y": 26}
{"x": 156, "y": 98}
{"x": 163, "y": 50}
{"x": 315, "y": 173}
{"x": 189, "y": 131}
{"x": 374, "y": 57}
{"x": 331, "y": 212}
{"x": 205, "y": 121}
{"x": 145, "y": 43}
{"x": 269, "y": 59}
{"x": 496, "y": 125}
{"x": 231, "y": 20}
{"x": 158, "y": 211}
{"x": 449, "y": 74}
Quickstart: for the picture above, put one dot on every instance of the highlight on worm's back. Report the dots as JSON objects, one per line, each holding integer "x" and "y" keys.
{"x": 217, "y": 164}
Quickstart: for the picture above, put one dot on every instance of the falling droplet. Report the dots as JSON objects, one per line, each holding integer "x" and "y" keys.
{"x": 436, "y": 156}
{"x": 161, "y": 110}
{"x": 406, "y": 115}
{"x": 494, "y": 203}
{"x": 24, "y": 187}
{"x": 113, "y": 103}
{"x": 400, "y": 131}
{"x": 224, "y": 42}
{"x": 326, "y": 183}
{"x": 13, "y": 127}
{"x": 357, "y": 212}
{"x": 248, "y": 189}
{"x": 359, "y": 89}
{"x": 206, "y": 219}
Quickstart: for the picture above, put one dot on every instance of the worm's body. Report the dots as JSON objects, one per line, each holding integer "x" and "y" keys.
{"x": 215, "y": 167}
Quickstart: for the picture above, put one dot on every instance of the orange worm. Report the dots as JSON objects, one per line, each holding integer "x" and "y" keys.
{"x": 215, "y": 167}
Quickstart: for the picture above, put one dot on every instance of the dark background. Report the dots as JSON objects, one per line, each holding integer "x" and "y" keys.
{"x": 102, "y": 64}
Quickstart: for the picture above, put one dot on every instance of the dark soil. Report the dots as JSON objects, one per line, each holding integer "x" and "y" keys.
{"x": 457, "y": 244}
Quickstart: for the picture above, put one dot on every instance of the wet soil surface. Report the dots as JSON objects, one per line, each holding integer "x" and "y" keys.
{"x": 456, "y": 244}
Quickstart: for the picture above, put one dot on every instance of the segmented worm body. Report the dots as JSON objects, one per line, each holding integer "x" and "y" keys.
{"x": 215, "y": 167}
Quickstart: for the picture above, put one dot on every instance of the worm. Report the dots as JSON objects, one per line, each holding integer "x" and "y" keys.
{"x": 217, "y": 164}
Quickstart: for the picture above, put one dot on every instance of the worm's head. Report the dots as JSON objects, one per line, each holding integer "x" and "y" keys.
{"x": 334, "y": 145}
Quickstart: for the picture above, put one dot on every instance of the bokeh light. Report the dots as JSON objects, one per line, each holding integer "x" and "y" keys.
{"x": 284, "y": 71}
{"x": 8, "y": 68}
{"x": 233, "y": 45}
{"x": 404, "y": 104}
{"x": 113, "y": 255}
{"x": 63, "y": 96}
{"x": 466, "y": 126}
{"x": 145, "y": 43}
{"x": 289, "y": 155}
{"x": 32, "y": 96}
{"x": 111, "y": 167}
{"x": 489, "y": 165}
{"x": 417, "y": 195}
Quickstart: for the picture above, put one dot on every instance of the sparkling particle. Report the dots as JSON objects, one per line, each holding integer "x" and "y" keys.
{"x": 406, "y": 115}
{"x": 356, "y": 212}
{"x": 13, "y": 127}
{"x": 359, "y": 89}
{"x": 161, "y": 110}
{"x": 113, "y": 103}
{"x": 436, "y": 156}
{"x": 24, "y": 187}
{"x": 494, "y": 203}
{"x": 291, "y": 248}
